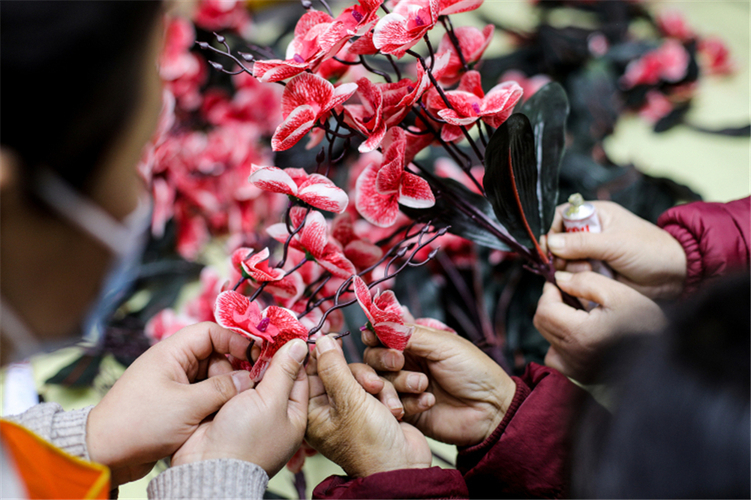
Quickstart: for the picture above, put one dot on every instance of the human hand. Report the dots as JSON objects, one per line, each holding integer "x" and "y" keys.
{"x": 470, "y": 392}
{"x": 264, "y": 425}
{"x": 352, "y": 428}
{"x": 645, "y": 257}
{"x": 388, "y": 387}
{"x": 156, "y": 406}
{"x": 577, "y": 336}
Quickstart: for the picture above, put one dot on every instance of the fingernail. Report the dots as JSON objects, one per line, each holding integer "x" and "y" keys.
{"x": 427, "y": 400}
{"x": 325, "y": 343}
{"x": 556, "y": 241}
{"x": 394, "y": 404}
{"x": 391, "y": 361}
{"x": 414, "y": 382}
{"x": 242, "y": 381}
{"x": 298, "y": 350}
{"x": 373, "y": 378}
{"x": 562, "y": 276}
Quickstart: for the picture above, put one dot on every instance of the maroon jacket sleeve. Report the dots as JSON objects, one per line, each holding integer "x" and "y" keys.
{"x": 528, "y": 453}
{"x": 434, "y": 482}
{"x": 526, "y": 456}
{"x": 715, "y": 236}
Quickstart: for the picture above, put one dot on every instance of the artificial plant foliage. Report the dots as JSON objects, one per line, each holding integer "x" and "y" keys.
{"x": 547, "y": 111}
{"x": 511, "y": 179}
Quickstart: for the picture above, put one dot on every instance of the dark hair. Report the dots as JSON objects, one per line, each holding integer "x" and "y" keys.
{"x": 70, "y": 78}
{"x": 681, "y": 423}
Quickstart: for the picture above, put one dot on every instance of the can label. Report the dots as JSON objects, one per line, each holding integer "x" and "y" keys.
{"x": 589, "y": 224}
{"x": 579, "y": 216}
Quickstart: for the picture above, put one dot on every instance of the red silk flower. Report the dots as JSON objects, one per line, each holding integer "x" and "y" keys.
{"x": 255, "y": 266}
{"x": 289, "y": 328}
{"x": 367, "y": 117}
{"x": 306, "y": 99}
{"x": 313, "y": 239}
{"x": 234, "y": 311}
{"x": 447, "y": 7}
{"x": 317, "y": 37}
{"x": 274, "y": 327}
{"x": 358, "y": 19}
{"x": 669, "y": 63}
{"x": 384, "y": 315}
{"x": 472, "y": 42}
{"x": 314, "y": 189}
{"x": 470, "y": 104}
{"x": 381, "y": 188}
{"x": 360, "y": 252}
{"x": 400, "y": 30}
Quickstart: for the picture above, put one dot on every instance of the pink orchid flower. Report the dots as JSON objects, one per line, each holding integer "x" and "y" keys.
{"x": 447, "y": 7}
{"x": 384, "y": 315}
{"x": 367, "y": 117}
{"x": 288, "y": 327}
{"x": 313, "y": 238}
{"x": 529, "y": 85}
{"x": 400, "y": 30}
{"x": 714, "y": 56}
{"x": 358, "y": 19}
{"x": 255, "y": 266}
{"x": 381, "y": 188}
{"x": 166, "y": 323}
{"x": 360, "y": 252}
{"x": 317, "y": 37}
{"x": 669, "y": 63}
{"x": 306, "y": 99}
{"x": 234, "y": 311}
{"x": 473, "y": 44}
{"x": 314, "y": 189}
{"x": 470, "y": 104}
{"x": 673, "y": 24}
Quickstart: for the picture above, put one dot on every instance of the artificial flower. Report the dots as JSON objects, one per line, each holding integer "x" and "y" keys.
{"x": 384, "y": 315}
{"x": 381, "y": 188}
{"x": 306, "y": 99}
{"x": 314, "y": 189}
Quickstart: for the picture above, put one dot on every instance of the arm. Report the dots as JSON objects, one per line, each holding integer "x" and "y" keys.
{"x": 714, "y": 236}
{"x": 527, "y": 454}
{"x": 64, "y": 429}
{"x": 218, "y": 478}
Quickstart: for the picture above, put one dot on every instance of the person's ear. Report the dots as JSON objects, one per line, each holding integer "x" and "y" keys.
{"x": 9, "y": 167}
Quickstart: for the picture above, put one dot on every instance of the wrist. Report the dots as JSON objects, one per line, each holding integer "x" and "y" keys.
{"x": 503, "y": 396}
{"x": 96, "y": 446}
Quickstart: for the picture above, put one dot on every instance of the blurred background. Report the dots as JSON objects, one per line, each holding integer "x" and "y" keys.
{"x": 697, "y": 146}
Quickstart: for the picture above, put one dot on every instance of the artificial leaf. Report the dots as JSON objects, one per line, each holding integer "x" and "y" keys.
{"x": 547, "y": 111}
{"x": 468, "y": 214}
{"x": 511, "y": 179}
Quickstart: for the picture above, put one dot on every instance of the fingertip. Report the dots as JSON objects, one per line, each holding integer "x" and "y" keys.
{"x": 242, "y": 381}
{"x": 369, "y": 338}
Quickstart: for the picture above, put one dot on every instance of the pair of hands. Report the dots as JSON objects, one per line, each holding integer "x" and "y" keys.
{"x": 182, "y": 398}
{"x": 449, "y": 390}
{"x": 649, "y": 264}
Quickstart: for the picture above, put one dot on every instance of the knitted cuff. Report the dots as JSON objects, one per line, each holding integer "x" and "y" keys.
{"x": 219, "y": 478}
{"x": 64, "y": 429}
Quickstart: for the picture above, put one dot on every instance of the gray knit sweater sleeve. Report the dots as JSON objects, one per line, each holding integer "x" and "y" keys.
{"x": 64, "y": 429}
{"x": 220, "y": 478}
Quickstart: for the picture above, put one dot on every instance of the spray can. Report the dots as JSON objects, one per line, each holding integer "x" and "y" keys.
{"x": 580, "y": 216}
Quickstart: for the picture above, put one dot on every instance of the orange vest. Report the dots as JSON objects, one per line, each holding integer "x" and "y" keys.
{"x": 47, "y": 471}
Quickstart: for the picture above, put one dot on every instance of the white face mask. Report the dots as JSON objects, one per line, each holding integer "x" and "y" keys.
{"x": 126, "y": 240}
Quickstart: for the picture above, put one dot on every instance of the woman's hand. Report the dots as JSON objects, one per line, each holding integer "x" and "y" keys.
{"x": 645, "y": 257}
{"x": 467, "y": 394}
{"x": 156, "y": 406}
{"x": 577, "y": 336}
{"x": 264, "y": 425}
{"x": 351, "y": 427}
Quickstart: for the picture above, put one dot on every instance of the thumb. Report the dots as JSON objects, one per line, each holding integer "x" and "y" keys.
{"x": 577, "y": 246}
{"x": 589, "y": 286}
{"x": 211, "y": 394}
{"x": 337, "y": 378}
{"x": 285, "y": 366}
